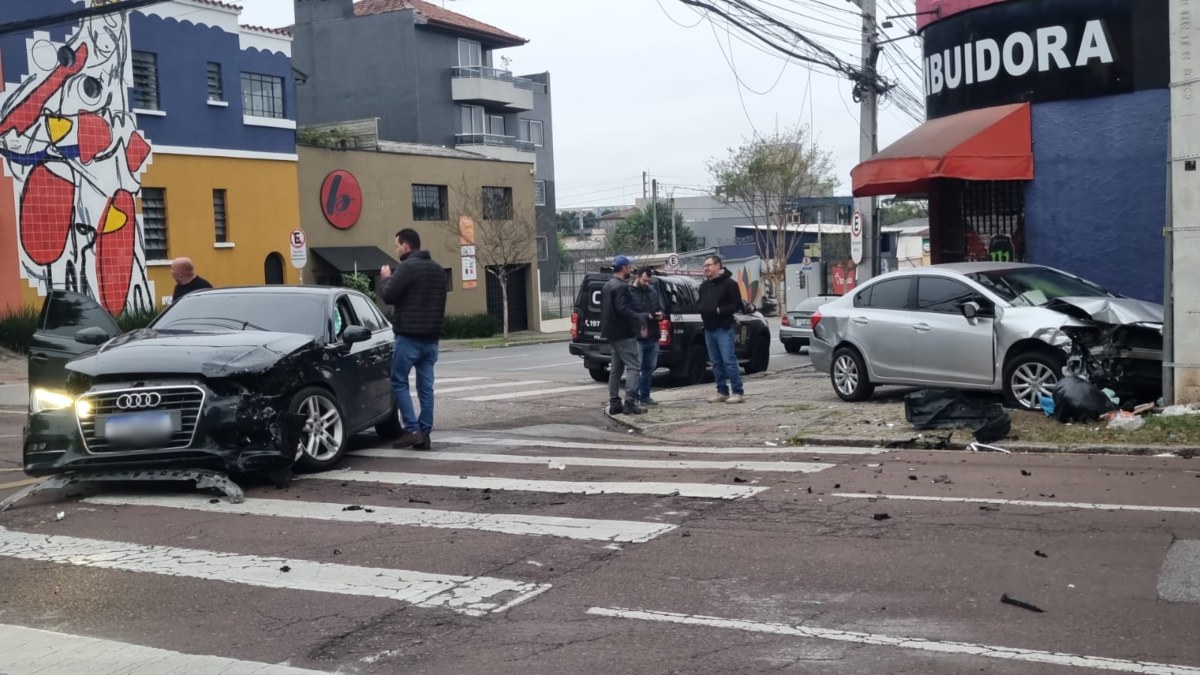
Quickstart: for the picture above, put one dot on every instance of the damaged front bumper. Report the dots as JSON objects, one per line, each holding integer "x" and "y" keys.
{"x": 1115, "y": 343}
{"x": 223, "y": 428}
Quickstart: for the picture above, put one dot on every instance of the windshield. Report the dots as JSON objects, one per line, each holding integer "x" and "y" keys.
{"x": 300, "y": 313}
{"x": 1036, "y": 286}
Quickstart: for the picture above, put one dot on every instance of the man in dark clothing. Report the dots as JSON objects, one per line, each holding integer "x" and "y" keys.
{"x": 186, "y": 279}
{"x": 720, "y": 299}
{"x": 646, "y": 300}
{"x": 621, "y": 324}
{"x": 417, "y": 291}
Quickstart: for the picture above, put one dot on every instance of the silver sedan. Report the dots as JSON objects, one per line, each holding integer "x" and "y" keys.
{"x": 1005, "y": 327}
{"x": 795, "y": 328}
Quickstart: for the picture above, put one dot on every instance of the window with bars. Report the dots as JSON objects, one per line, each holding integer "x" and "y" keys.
{"x": 154, "y": 222}
{"x": 497, "y": 203}
{"x": 429, "y": 202}
{"x": 216, "y": 90}
{"x": 539, "y": 193}
{"x": 145, "y": 81}
{"x": 262, "y": 95}
{"x": 220, "y": 222}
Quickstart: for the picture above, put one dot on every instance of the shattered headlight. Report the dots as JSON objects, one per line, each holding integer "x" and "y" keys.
{"x": 1055, "y": 338}
{"x": 43, "y": 400}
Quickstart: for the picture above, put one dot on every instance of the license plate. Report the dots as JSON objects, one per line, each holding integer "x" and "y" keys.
{"x": 804, "y": 323}
{"x": 139, "y": 428}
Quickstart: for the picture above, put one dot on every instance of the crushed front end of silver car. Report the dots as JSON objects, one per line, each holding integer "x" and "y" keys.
{"x": 1115, "y": 343}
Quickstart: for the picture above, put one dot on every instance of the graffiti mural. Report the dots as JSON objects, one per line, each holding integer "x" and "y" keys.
{"x": 70, "y": 142}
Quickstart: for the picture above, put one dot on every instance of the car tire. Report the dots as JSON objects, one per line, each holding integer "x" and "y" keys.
{"x": 1023, "y": 372}
{"x": 792, "y": 346}
{"x": 599, "y": 373}
{"x": 696, "y": 367}
{"x": 391, "y": 427}
{"x": 323, "y": 436}
{"x": 760, "y": 356}
{"x": 849, "y": 376}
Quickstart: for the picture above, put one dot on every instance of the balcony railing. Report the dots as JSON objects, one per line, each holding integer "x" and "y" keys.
{"x": 498, "y": 74}
{"x": 496, "y": 140}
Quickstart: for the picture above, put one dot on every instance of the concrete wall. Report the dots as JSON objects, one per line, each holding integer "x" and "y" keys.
{"x": 386, "y": 180}
{"x": 1097, "y": 204}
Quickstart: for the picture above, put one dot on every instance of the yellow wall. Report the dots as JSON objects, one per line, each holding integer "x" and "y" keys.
{"x": 262, "y": 209}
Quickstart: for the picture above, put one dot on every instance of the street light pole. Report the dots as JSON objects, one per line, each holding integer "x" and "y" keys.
{"x": 868, "y": 138}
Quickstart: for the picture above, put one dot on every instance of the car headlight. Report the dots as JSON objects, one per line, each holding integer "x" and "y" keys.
{"x": 44, "y": 400}
{"x": 1055, "y": 338}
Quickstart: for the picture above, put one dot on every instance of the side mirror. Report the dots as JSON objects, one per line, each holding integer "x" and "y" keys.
{"x": 92, "y": 336}
{"x": 970, "y": 309}
{"x": 353, "y": 334}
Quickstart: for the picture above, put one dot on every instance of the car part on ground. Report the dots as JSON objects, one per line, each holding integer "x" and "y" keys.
{"x": 205, "y": 480}
{"x": 950, "y": 409}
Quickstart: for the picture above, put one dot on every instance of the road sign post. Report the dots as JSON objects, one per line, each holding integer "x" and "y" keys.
{"x": 298, "y": 243}
{"x": 856, "y": 238}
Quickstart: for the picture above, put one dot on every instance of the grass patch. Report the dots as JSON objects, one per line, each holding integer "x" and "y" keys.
{"x": 17, "y": 326}
{"x": 1031, "y": 427}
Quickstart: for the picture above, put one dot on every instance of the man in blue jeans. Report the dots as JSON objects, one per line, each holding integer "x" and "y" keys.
{"x": 720, "y": 299}
{"x": 417, "y": 291}
{"x": 645, "y": 297}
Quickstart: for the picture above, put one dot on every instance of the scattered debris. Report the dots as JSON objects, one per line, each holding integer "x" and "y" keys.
{"x": 881, "y": 516}
{"x": 1040, "y": 554}
{"x": 739, "y": 479}
{"x": 214, "y": 501}
{"x": 337, "y": 551}
{"x": 1077, "y": 400}
{"x": 685, "y": 533}
{"x": 912, "y": 477}
{"x": 1026, "y": 473}
{"x": 1017, "y": 602}
{"x": 980, "y": 447}
{"x": 1125, "y": 421}
{"x": 943, "y": 479}
{"x": 352, "y": 507}
{"x": 1047, "y": 496}
{"x": 920, "y": 442}
{"x": 285, "y": 568}
{"x": 534, "y": 563}
{"x": 986, "y": 507}
{"x": 417, "y": 501}
{"x": 1180, "y": 410}
{"x": 60, "y": 515}
{"x": 556, "y": 465}
{"x": 771, "y": 444}
{"x": 874, "y": 466}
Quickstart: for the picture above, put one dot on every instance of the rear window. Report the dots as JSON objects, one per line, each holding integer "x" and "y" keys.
{"x": 889, "y": 294}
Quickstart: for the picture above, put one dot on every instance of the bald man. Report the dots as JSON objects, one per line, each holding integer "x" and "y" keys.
{"x": 186, "y": 280}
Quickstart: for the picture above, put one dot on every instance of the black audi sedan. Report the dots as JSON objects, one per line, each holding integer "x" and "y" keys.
{"x": 241, "y": 380}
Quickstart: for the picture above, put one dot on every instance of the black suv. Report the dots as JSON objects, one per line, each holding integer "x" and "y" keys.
{"x": 681, "y": 345}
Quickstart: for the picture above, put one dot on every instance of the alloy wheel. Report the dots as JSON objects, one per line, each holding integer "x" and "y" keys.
{"x": 845, "y": 374}
{"x": 1030, "y": 382}
{"x": 322, "y": 435}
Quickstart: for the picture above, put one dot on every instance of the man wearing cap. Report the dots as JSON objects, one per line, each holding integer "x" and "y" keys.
{"x": 621, "y": 324}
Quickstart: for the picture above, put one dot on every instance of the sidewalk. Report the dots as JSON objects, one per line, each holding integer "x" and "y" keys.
{"x": 792, "y": 404}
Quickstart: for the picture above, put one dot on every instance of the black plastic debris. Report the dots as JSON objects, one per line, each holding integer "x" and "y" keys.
{"x": 1077, "y": 400}
{"x": 285, "y": 568}
{"x": 912, "y": 477}
{"x": 1013, "y": 600}
{"x": 1026, "y": 473}
{"x": 739, "y": 479}
{"x": 1040, "y": 554}
{"x": 417, "y": 501}
{"x": 214, "y": 501}
{"x": 881, "y": 516}
{"x": 352, "y": 507}
{"x": 989, "y": 508}
{"x": 951, "y": 409}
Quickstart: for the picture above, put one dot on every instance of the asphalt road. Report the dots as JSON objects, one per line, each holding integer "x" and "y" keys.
{"x": 539, "y": 537}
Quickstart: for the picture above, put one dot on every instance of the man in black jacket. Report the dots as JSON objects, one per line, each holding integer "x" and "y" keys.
{"x": 720, "y": 299}
{"x": 621, "y": 324}
{"x": 646, "y": 300}
{"x": 417, "y": 291}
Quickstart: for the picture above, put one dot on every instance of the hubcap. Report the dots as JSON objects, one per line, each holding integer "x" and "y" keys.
{"x": 322, "y": 434}
{"x": 845, "y": 375}
{"x": 1030, "y": 382}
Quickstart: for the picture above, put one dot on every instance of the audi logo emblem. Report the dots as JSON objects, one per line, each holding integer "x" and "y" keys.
{"x": 136, "y": 401}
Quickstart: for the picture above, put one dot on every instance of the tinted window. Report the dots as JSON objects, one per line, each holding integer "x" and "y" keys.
{"x": 342, "y": 316}
{"x": 66, "y": 315}
{"x": 367, "y": 317}
{"x": 280, "y": 312}
{"x": 945, "y": 296}
{"x": 890, "y": 294}
{"x": 1035, "y": 286}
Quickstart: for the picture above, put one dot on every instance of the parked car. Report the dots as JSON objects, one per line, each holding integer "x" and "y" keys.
{"x": 1005, "y": 327}
{"x": 795, "y": 328}
{"x": 239, "y": 380}
{"x": 681, "y": 334}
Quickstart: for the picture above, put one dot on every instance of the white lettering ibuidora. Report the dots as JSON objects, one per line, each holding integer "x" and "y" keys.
{"x": 1044, "y": 49}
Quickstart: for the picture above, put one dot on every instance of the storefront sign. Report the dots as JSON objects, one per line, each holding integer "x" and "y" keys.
{"x": 341, "y": 199}
{"x": 1044, "y": 50}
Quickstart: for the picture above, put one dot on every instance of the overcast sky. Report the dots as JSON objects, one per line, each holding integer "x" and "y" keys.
{"x": 649, "y": 85}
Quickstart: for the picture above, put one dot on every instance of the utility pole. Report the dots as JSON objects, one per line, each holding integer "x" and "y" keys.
{"x": 643, "y": 185}
{"x": 654, "y": 212}
{"x": 74, "y": 15}
{"x": 671, "y": 214}
{"x": 1181, "y": 332}
{"x": 867, "y": 92}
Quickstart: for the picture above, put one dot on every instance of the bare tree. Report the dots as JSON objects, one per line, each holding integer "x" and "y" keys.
{"x": 503, "y": 232}
{"x": 761, "y": 178}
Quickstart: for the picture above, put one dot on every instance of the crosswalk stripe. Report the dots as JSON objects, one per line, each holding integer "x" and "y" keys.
{"x": 1023, "y": 502}
{"x": 474, "y": 387}
{"x": 29, "y": 650}
{"x": 790, "y": 467}
{"x": 449, "y": 380}
{"x": 688, "y": 449}
{"x": 474, "y": 596}
{"x": 700, "y": 490}
{"x": 535, "y": 392}
{"x": 625, "y": 531}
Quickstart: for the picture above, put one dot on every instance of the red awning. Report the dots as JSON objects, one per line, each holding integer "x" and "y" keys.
{"x": 985, "y": 144}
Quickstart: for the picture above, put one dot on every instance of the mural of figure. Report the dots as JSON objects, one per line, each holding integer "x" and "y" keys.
{"x": 70, "y": 142}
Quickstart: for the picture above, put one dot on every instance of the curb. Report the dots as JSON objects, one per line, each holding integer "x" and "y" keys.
{"x": 1032, "y": 448}
{"x": 547, "y": 341}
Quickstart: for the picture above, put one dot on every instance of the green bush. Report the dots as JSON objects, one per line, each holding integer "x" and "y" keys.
{"x": 134, "y": 320}
{"x": 17, "y": 327}
{"x": 470, "y": 326}
{"x": 359, "y": 282}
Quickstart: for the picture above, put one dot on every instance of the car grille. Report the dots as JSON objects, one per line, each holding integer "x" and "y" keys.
{"x": 186, "y": 399}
